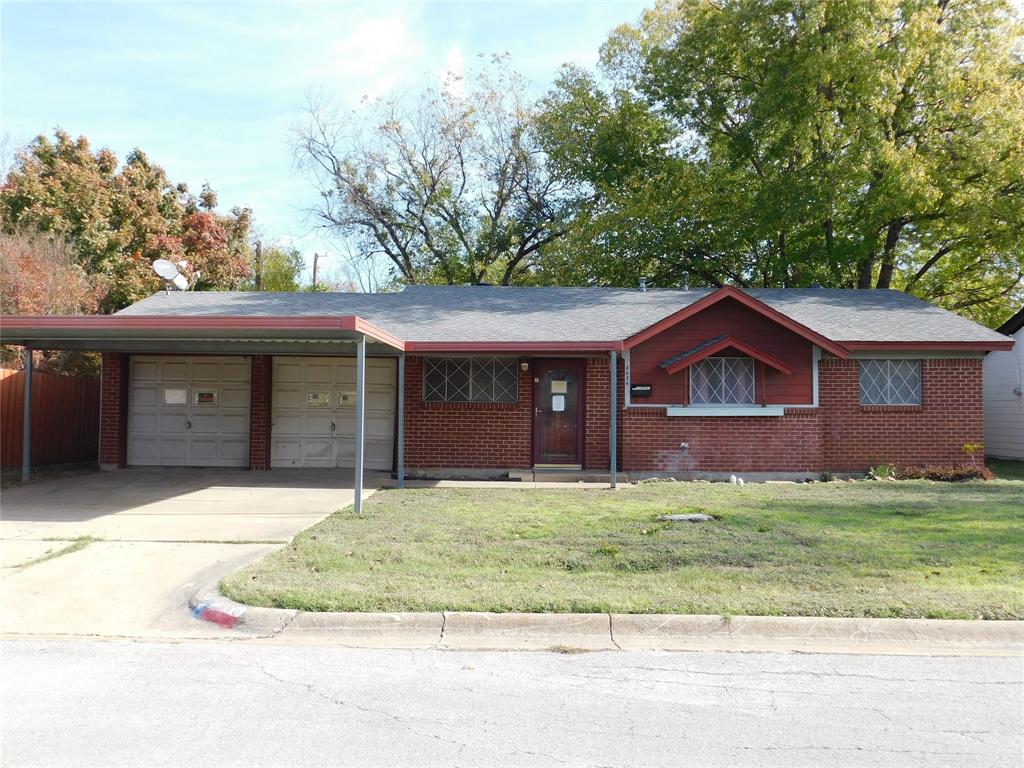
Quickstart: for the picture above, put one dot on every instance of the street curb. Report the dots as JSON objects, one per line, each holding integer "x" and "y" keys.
{"x": 467, "y": 630}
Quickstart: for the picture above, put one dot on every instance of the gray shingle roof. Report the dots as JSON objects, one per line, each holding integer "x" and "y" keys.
{"x": 489, "y": 313}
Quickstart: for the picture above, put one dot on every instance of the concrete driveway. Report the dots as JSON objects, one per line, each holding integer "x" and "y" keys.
{"x": 156, "y": 535}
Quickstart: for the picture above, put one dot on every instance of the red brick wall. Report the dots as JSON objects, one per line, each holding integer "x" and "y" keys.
{"x": 839, "y": 435}
{"x": 950, "y": 416}
{"x": 114, "y": 410}
{"x": 467, "y": 435}
{"x": 651, "y": 442}
{"x": 260, "y": 412}
{"x": 598, "y": 413}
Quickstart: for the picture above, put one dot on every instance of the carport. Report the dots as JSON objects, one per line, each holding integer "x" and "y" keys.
{"x": 311, "y": 336}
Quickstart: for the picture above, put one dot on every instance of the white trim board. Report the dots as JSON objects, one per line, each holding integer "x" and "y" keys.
{"x": 739, "y": 410}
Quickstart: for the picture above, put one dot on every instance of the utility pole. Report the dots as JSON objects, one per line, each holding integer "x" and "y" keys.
{"x": 316, "y": 258}
{"x": 259, "y": 266}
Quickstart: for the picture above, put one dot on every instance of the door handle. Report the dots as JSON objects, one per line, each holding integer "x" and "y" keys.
{"x": 188, "y": 425}
{"x": 333, "y": 427}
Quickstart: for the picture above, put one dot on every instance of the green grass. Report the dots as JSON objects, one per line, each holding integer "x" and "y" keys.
{"x": 1006, "y": 469}
{"x": 907, "y": 549}
{"x": 74, "y": 546}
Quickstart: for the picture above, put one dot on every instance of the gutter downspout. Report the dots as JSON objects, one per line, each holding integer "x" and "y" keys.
{"x": 613, "y": 420}
{"x": 357, "y": 503}
{"x": 400, "y": 458}
{"x": 26, "y": 418}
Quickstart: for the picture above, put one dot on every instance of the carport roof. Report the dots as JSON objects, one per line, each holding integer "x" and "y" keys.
{"x": 490, "y": 318}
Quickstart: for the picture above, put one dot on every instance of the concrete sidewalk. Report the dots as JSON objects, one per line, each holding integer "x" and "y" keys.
{"x": 576, "y": 632}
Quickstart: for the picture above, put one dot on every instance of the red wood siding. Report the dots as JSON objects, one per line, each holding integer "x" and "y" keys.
{"x": 726, "y": 317}
{"x": 65, "y": 418}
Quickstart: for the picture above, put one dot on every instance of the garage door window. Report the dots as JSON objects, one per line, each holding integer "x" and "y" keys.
{"x": 175, "y": 396}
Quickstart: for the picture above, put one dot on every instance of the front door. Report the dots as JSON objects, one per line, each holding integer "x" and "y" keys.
{"x": 557, "y": 413}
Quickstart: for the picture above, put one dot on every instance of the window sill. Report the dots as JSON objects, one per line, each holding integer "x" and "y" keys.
{"x": 891, "y": 408}
{"x": 726, "y": 410}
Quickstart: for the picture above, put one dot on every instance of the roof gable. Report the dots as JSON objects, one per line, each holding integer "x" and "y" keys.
{"x": 728, "y": 292}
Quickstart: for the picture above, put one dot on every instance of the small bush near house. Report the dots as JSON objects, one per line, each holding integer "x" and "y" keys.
{"x": 944, "y": 474}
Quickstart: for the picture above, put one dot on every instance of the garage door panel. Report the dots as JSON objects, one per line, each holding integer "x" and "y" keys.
{"x": 173, "y": 449}
{"x": 238, "y": 371}
{"x": 145, "y": 396}
{"x": 292, "y": 378}
{"x": 321, "y": 450}
{"x": 206, "y": 371}
{"x": 173, "y": 423}
{"x": 288, "y": 398}
{"x": 235, "y": 450}
{"x": 143, "y": 371}
{"x": 234, "y": 397}
{"x": 234, "y": 425}
{"x": 319, "y": 373}
{"x": 174, "y": 371}
{"x": 287, "y": 372}
{"x": 185, "y": 433}
{"x": 146, "y": 423}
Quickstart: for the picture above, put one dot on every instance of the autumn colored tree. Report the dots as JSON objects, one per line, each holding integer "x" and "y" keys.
{"x": 117, "y": 220}
{"x": 39, "y": 276}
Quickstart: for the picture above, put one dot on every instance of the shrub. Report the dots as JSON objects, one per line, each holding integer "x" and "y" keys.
{"x": 944, "y": 474}
{"x": 826, "y": 477}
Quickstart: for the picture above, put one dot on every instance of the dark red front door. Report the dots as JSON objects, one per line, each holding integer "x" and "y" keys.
{"x": 558, "y": 412}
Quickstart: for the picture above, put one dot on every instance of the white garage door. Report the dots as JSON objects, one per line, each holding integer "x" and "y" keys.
{"x": 314, "y": 412}
{"x": 189, "y": 411}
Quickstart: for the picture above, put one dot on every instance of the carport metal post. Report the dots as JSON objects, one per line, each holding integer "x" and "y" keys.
{"x": 360, "y": 420}
{"x": 26, "y": 419}
{"x": 613, "y": 428}
{"x": 400, "y": 458}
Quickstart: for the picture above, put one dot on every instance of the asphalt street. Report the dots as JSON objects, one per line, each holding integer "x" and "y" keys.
{"x": 253, "y": 703}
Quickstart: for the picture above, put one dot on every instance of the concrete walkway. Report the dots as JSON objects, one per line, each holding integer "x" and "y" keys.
{"x": 158, "y": 534}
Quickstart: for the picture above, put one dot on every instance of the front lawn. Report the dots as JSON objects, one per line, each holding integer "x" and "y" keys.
{"x": 911, "y": 549}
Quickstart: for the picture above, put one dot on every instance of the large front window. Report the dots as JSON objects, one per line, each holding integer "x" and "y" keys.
{"x": 722, "y": 381}
{"x": 470, "y": 380}
{"x": 890, "y": 382}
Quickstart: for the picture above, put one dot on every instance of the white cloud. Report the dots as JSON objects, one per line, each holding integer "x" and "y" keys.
{"x": 453, "y": 71}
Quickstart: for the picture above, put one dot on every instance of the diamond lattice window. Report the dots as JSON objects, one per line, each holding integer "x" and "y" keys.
{"x": 890, "y": 382}
{"x": 470, "y": 380}
{"x": 722, "y": 381}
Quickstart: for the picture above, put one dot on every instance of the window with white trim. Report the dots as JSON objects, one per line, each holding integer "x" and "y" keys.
{"x": 470, "y": 380}
{"x": 890, "y": 382}
{"x": 722, "y": 381}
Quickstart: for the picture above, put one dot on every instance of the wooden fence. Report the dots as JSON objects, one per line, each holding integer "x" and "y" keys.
{"x": 65, "y": 418}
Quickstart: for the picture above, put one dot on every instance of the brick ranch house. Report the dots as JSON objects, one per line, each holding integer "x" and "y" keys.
{"x": 789, "y": 381}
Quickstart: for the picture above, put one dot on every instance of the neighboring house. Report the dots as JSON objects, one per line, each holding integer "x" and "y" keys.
{"x": 1004, "y": 395}
{"x": 726, "y": 380}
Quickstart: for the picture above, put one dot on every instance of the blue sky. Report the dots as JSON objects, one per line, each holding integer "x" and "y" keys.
{"x": 209, "y": 90}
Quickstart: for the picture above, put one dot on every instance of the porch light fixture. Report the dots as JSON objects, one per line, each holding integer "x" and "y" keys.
{"x": 524, "y": 365}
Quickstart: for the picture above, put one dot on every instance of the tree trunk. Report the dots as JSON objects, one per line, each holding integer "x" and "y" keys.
{"x": 892, "y": 237}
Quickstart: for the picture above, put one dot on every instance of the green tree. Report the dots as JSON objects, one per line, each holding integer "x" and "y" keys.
{"x": 860, "y": 143}
{"x": 276, "y": 268}
{"x": 117, "y": 219}
{"x": 451, "y": 187}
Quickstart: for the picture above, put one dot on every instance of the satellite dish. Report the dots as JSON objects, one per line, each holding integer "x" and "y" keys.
{"x": 166, "y": 269}
{"x": 169, "y": 273}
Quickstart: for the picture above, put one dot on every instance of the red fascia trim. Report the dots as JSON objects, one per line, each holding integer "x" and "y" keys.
{"x": 730, "y": 292}
{"x": 352, "y": 323}
{"x": 733, "y": 343}
{"x": 512, "y": 346}
{"x": 966, "y": 346}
